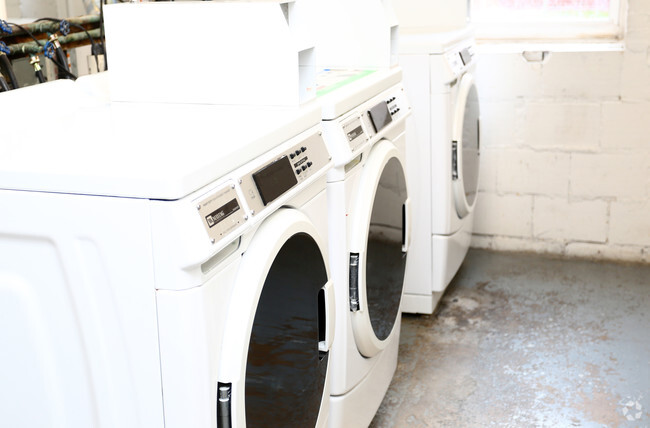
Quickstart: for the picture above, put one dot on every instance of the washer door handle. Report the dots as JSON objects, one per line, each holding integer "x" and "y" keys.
{"x": 478, "y": 135}
{"x": 406, "y": 225}
{"x": 328, "y": 304}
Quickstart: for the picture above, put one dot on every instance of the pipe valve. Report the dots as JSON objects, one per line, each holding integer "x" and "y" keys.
{"x": 5, "y": 27}
{"x": 64, "y": 27}
{"x": 49, "y": 50}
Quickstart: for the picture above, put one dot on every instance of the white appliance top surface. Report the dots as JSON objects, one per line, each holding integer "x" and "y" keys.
{"x": 341, "y": 90}
{"x": 80, "y": 143}
{"x": 424, "y": 41}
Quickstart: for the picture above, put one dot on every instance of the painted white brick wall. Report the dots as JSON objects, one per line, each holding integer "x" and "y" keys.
{"x": 614, "y": 252}
{"x": 562, "y": 220}
{"x": 504, "y": 215}
{"x": 609, "y": 175}
{"x": 639, "y": 7}
{"x": 638, "y": 33}
{"x": 493, "y": 115}
{"x": 629, "y": 223}
{"x": 522, "y": 80}
{"x": 560, "y": 126}
{"x": 566, "y": 168}
{"x": 531, "y": 172}
{"x": 626, "y": 125}
{"x": 489, "y": 168}
{"x": 598, "y": 75}
{"x": 32, "y": 9}
{"x": 635, "y": 83}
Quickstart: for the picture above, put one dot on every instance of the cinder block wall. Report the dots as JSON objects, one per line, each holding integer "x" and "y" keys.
{"x": 566, "y": 150}
{"x": 33, "y": 9}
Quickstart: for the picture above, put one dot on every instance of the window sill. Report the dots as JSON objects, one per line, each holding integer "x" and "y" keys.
{"x": 511, "y": 46}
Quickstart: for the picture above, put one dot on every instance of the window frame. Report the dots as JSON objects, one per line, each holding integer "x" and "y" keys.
{"x": 572, "y": 31}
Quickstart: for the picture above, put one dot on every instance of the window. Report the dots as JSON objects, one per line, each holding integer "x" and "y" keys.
{"x": 547, "y": 19}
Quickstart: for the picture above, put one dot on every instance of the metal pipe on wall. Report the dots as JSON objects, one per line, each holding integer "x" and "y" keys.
{"x": 52, "y": 27}
{"x": 72, "y": 40}
{"x": 20, "y": 40}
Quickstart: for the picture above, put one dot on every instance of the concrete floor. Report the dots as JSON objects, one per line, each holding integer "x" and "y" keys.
{"x": 527, "y": 341}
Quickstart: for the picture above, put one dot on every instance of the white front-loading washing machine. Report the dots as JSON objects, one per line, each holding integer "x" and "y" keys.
{"x": 364, "y": 116}
{"x": 163, "y": 265}
{"x": 442, "y": 159}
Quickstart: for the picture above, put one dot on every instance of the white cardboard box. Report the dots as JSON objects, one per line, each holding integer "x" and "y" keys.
{"x": 198, "y": 52}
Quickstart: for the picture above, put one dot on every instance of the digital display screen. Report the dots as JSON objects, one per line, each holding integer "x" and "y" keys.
{"x": 465, "y": 56}
{"x": 222, "y": 213}
{"x": 275, "y": 179}
{"x": 380, "y": 116}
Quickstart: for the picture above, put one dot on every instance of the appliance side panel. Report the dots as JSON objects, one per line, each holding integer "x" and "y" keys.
{"x": 76, "y": 281}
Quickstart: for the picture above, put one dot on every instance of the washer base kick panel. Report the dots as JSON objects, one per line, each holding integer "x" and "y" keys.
{"x": 359, "y": 405}
{"x": 447, "y": 255}
{"x": 421, "y": 303}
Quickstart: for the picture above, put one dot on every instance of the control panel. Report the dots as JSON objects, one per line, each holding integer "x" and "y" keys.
{"x": 228, "y": 208}
{"x": 354, "y": 132}
{"x": 381, "y": 114}
{"x": 264, "y": 184}
{"x": 221, "y": 212}
{"x": 459, "y": 59}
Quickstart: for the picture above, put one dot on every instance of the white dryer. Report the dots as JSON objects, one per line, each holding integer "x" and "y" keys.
{"x": 364, "y": 116}
{"x": 167, "y": 270}
{"x": 442, "y": 159}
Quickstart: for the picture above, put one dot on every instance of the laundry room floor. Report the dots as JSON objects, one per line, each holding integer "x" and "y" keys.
{"x": 524, "y": 340}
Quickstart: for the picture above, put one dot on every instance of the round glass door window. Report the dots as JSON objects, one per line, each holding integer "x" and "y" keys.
{"x": 285, "y": 371}
{"x": 386, "y": 260}
{"x": 471, "y": 145}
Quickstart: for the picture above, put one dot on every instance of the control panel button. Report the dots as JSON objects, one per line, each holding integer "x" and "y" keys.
{"x": 298, "y": 171}
{"x": 309, "y": 164}
{"x": 304, "y": 167}
{"x": 292, "y": 155}
{"x": 303, "y": 149}
{"x": 298, "y": 152}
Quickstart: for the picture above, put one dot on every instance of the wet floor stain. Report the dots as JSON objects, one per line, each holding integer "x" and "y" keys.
{"x": 527, "y": 341}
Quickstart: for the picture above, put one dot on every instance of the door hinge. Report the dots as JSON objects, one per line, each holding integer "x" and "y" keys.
{"x": 354, "y": 282}
{"x": 454, "y": 160}
{"x": 224, "y": 393}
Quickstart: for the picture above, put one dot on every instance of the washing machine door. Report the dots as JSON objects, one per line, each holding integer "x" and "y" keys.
{"x": 379, "y": 240}
{"x": 465, "y": 147}
{"x": 279, "y": 330}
